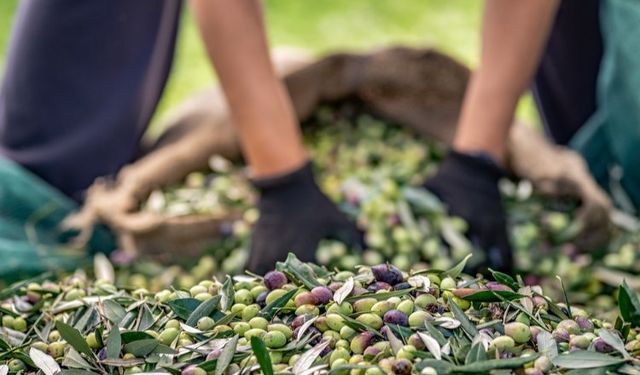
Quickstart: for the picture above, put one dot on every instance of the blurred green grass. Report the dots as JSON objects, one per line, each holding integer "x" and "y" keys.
{"x": 324, "y": 26}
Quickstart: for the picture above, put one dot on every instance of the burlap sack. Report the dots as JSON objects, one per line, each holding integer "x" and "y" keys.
{"x": 418, "y": 88}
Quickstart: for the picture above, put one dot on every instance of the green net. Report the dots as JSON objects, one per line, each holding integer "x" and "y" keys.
{"x": 31, "y": 240}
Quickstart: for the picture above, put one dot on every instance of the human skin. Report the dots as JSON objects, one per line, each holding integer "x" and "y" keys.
{"x": 234, "y": 36}
{"x": 514, "y": 35}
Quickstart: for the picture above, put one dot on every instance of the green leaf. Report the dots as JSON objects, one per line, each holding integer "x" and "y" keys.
{"x": 492, "y": 296}
{"x": 131, "y": 336}
{"x": 629, "y": 304}
{"x": 493, "y": 364}
{"x": 114, "y": 341}
{"x": 585, "y": 359}
{"x": 442, "y": 367}
{"x": 141, "y": 348}
{"x": 114, "y": 311}
{"x": 73, "y": 359}
{"x": 358, "y": 326}
{"x": 307, "y": 358}
{"x": 381, "y": 296}
{"x": 44, "y": 362}
{"x": 226, "y": 319}
{"x": 262, "y": 355}
{"x": 435, "y": 333}
{"x": 270, "y": 310}
{"x": 422, "y": 200}
{"x": 466, "y": 324}
{"x": 505, "y": 279}
{"x": 228, "y": 294}
{"x": 614, "y": 341}
{"x": 146, "y": 318}
{"x": 566, "y": 297}
{"x": 457, "y": 269}
{"x": 74, "y": 338}
{"x": 476, "y": 354}
{"x": 547, "y": 345}
{"x": 204, "y": 309}
{"x": 226, "y": 356}
{"x": 183, "y": 307}
{"x": 77, "y": 372}
{"x": 302, "y": 272}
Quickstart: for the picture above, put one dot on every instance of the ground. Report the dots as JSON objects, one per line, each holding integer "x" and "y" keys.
{"x": 324, "y": 26}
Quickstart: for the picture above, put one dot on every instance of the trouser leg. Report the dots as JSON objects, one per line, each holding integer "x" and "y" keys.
{"x": 82, "y": 81}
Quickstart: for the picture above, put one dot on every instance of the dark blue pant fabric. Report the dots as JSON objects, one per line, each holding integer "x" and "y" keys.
{"x": 82, "y": 81}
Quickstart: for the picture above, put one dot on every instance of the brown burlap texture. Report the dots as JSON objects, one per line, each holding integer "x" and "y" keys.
{"x": 421, "y": 89}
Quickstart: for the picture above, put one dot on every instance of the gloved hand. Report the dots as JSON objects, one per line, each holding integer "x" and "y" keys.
{"x": 294, "y": 216}
{"x": 468, "y": 185}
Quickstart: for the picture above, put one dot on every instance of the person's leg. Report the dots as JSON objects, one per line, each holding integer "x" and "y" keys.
{"x": 565, "y": 84}
{"x": 82, "y": 81}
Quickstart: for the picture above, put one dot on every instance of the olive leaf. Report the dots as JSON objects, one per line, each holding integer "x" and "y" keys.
{"x": 300, "y": 271}
{"x": 4, "y": 369}
{"x": 441, "y": 366}
{"x": 262, "y": 355}
{"x": 477, "y": 353}
{"x": 492, "y": 296}
{"x": 114, "y": 341}
{"x": 467, "y": 326}
{"x": 44, "y": 362}
{"x": 132, "y": 336}
{"x": 493, "y": 364}
{"x": 228, "y": 293}
{"x": 226, "y": 356}
{"x": 308, "y": 357}
{"x": 206, "y": 308}
{"x": 381, "y": 295}
{"x": 582, "y": 359}
{"x": 505, "y": 279}
{"x": 114, "y": 311}
{"x": 614, "y": 341}
{"x": 435, "y": 333}
{"x": 270, "y": 310}
{"x": 629, "y": 304}
{"x": 73, "y": 359}
{"x": 344, "y": 291}
{"x": 432, "y": 345}
{"x": 305, "y": 326}
{"x": 141, "y": 348}
{"x": 547, "y": 345}
{"x": 457, "y": 269}
{"x": 420, "y": 282}
{"x": 422, "y": 200}
{"x": 103, "y": 269}
{"x": 74, "y": 338}
{"x": 394, "y": 342}
{"x": 183, "y": 307}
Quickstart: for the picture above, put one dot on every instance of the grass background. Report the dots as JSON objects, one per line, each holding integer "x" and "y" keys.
{"x": 323, "y": 26}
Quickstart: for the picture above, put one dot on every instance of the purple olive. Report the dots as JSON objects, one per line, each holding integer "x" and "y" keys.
{"x": 401, "y": 286}
{"x": 416, "y": 341}
{"x": 335, "y": 285}
{"x": 601, "y": 346}
{"x": 387, "y": 273}
{"x": 102, "y": 354}
{"x": 297, "y": 322}
{"x": 358, "y": 291}
{"x": 370, "y": 352}
{"x": 496, "y": 286}
{"x": 322, "y": 294}
{"x": 561, "y": 335}
{"x": 396, "y": 317}
{"x": 401, "y": 367}
{"x": 305, "y": 298}
{"x": 193, "y": 370}
{"x": 379, "y": 285}
{"x": 214, "y": 354}
{"x": 261, "y": 300}
{"x": 584, "y": 323}
{"x": 275, "y": 280}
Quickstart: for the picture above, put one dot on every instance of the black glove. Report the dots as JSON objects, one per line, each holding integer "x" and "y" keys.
{"x": 468, "y": 185}
{"x": 294, "y": 216}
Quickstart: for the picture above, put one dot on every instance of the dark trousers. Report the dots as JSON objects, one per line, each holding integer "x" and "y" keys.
{"x": 82, "y": 81}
